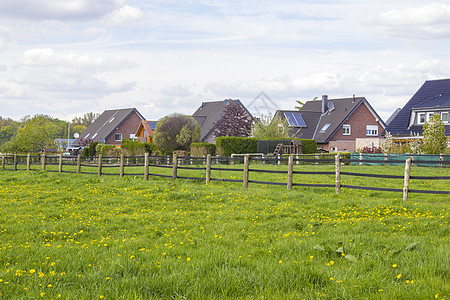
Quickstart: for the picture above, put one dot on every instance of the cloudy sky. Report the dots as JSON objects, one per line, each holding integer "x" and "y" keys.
{"x": 68, "y": 57}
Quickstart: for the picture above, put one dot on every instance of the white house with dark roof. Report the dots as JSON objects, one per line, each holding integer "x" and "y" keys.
{"x": 432, "y": 98}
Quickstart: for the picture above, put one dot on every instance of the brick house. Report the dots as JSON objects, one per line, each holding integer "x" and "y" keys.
{"x": 336, "y": 124}
{"x": 112, "y": 126}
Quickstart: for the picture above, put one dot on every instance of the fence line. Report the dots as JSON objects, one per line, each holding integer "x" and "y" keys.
{"x": 175, "y": 163}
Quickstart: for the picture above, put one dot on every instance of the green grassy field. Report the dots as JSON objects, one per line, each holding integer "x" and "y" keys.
{"x": 74, "y": 236}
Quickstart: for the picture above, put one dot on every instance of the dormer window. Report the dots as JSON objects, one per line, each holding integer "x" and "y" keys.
{"x": 444, "y": 117}
{"x": 421, "y": 118}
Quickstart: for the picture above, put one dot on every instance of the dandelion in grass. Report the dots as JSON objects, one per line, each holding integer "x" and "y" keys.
{"x": 394, "y": 265}
{"x": 399, "y": 276}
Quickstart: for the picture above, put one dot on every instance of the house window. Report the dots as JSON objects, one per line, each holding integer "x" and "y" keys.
{"x": 280, "y": 129}
{"x": 346, "y": 129}
{"x": 118, "y": 137}
{"x": 325, "y": 127}
{"x": 421, "y": 118}
{"x": 371, "y": 130}
{"x": 430, "y": 115}
{"x": 444, "y": 117}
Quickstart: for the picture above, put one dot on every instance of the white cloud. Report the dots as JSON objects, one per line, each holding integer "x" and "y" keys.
{"x": 177, "y": 91}
{"x": 46, "y": 57}
{"x": 429, "y": 21}
{"x": 125, "y": 14}
{"x": 75, "y": 10}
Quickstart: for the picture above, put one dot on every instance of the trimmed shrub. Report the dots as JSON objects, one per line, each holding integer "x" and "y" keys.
{"x": 85, "y": 152}
{"x": 92, "y": 147}
{"x": 202, "y": 149}
{"x": 135, "y": 148}
{"x": 227, "y": 145}
{"x": 309, "y": 146}
{"x": 110, "y": 151}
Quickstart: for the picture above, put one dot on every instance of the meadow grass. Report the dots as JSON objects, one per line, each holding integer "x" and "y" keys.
{"x": 88, "y": 237}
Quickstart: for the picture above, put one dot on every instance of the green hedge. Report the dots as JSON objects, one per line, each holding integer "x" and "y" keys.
{"x": 136, "y": 148}
{"x": 202, "y": 149}
{"x": 309, "y": 146}
{"x": 227, "y": 145}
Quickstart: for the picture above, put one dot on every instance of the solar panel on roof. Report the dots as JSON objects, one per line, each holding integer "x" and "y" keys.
{"x": 295, "y": 119}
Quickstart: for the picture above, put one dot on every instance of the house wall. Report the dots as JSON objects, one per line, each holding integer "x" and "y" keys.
{"x": 357, "y": 121}
{"x": 126, "y": 128}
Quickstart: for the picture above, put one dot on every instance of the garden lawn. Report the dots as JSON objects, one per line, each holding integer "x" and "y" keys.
{"x": 74, "y": 236}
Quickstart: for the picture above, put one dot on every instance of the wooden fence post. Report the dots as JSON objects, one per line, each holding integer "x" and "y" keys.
{"x": 15, "y": 162}
{"x": 79, "y": 164}
{"x": 441, "y": 159}
{"x": 43, "y": 161}
{"x": 174, "y": 166}
{"x": 122, "y": 165}
{"x": 385, "y": 158}
{"x": 146, "y": 166}
{"x": 3, "y": 161}
{"x": 407, "y": 175}
{"x": 60, "y": 165}
{"x": 290, "y": 176}
{"x": 360, "y": 158}
{"x": 28, "y": 161}
{"x": 208, "y": 168}
{"x": 317, "y": 159}
{"x": 100, "y": 164}
{"x": 246, "y": 172}
{"x": 338, "y": 173}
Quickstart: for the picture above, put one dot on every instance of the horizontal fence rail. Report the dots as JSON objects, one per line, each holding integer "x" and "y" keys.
{"x": 116, "y": 166}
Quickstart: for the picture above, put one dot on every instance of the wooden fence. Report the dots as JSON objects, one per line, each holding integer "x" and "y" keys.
{"x": 98, "y": 165}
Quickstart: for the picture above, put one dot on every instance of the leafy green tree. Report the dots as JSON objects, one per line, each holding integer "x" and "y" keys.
{"x": 266, "y": 128}
{"x": 86, "y": 120}
{"x": 434, "y": 139}
{"x": 387, "y": 144}
{"x": 36, "y": 133}
{"x": 6, "y": 133}
{"x": 176, "y": 132}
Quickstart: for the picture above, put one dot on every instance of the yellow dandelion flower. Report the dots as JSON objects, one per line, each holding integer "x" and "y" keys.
{"x": 394, "y": 265}
{"x": 399, "y": 275}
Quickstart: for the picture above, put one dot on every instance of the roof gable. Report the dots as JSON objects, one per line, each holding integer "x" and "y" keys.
{"x": 432, "y": 94}
{"x": 338, "y": 112}
{"x": 210, "y": 113}
{"x": 106, "y": 124}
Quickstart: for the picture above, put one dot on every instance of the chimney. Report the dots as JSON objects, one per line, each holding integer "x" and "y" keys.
{"x": 324, "y": 103}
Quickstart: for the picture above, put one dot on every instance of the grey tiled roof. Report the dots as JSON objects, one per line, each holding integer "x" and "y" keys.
{"x": 210, "y": 113}
{"x": 343, "y": 108}
{"x": 106, "y": 123}
{"x": 432, "y": 94}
